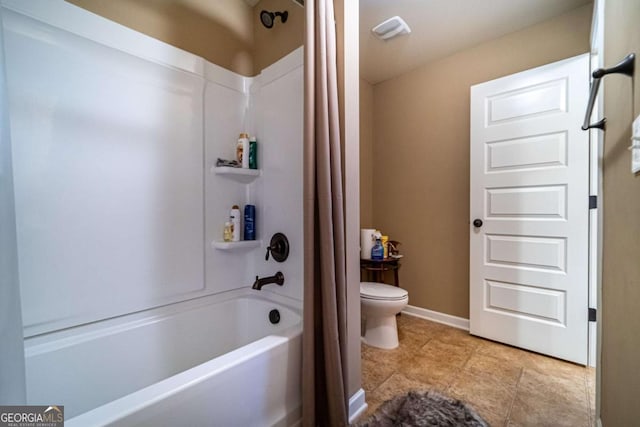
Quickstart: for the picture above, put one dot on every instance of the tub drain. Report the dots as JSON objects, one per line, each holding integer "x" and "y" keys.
{"x": 274, "y": 316}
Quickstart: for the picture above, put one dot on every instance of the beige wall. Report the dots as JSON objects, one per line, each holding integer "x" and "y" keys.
{"x": 366, "y": 154}
{"x": 272, "y": 44}
{"x": 421, "y": 154}
{"x": 620, "y": 375}
{"x": 225, "y": 32}
{"x": 220, "y": 31}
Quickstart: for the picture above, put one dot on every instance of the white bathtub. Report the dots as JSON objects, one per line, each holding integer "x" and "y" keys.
{"x": 213, "y": 361}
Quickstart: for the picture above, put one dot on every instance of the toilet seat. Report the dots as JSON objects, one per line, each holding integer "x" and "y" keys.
{"x": 382, "y": 292}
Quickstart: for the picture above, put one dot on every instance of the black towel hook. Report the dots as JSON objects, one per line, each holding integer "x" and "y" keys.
{"x": 626, "y": 67}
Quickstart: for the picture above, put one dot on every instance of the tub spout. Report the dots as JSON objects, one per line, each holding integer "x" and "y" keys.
{"x": 278, "y": 279}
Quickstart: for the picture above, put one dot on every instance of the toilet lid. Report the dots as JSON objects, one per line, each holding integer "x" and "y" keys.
{"x": 380, "y": 291}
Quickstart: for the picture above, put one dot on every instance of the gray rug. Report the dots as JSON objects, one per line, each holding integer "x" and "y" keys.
{"x": 421, "y": 410}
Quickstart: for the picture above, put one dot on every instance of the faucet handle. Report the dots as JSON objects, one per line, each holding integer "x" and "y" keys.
{"x": 278, "y": 248}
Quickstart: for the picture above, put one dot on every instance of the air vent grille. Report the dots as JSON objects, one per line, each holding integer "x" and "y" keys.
{"x": 390, "y": 28}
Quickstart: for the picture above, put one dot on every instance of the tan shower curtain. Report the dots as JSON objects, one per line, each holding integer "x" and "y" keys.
{"x": 325, "y": 332}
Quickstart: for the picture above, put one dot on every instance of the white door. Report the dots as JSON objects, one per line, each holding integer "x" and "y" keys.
{"x": 530, "y": 189}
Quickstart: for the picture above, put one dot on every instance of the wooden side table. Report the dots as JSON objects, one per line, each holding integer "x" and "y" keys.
{"x": 377, "y": 267}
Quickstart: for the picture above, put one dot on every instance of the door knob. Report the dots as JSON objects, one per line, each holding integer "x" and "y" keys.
{"x": 477, "y": 223}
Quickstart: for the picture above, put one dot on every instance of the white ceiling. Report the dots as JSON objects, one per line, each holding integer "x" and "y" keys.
{"x": 442, "y": 27}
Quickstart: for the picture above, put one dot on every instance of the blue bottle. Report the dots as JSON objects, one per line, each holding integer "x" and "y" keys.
{"x": 377, "y": 251}
{"x": 249, "y": 222}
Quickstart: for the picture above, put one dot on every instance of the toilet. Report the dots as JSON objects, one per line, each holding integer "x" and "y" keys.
{"x": 379, "y": 304}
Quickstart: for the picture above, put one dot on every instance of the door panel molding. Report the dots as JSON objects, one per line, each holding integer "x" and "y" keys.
{"x": 535, "y": 151}
{"x": 540, "y": 304}
{"x": 549, "y": 98}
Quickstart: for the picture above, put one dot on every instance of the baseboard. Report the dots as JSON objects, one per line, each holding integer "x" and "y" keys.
{"x": 435, "y": 316}
{"x": 357, "y": 405}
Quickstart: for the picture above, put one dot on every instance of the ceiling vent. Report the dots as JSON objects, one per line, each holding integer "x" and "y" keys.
{"x": 392, "y": 27}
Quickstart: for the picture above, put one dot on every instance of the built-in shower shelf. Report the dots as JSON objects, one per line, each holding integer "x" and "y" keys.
{"x": 238, "y": 174}
{"x": 232, "y": 246}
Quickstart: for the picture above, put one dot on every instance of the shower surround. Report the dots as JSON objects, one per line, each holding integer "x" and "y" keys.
{"x": 114, "y": 137}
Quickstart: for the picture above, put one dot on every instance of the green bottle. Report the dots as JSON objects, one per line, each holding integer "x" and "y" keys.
{"x": 253, "y": 153}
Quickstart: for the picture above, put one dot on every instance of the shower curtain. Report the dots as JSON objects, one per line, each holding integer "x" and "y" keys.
{"x": 325, "y": 333}
{"x": 12, "y": 380}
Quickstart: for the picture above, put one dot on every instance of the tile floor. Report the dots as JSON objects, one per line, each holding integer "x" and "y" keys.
{"x": 506, "y": 385}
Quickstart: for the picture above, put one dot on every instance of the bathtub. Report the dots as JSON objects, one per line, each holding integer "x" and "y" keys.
{"x": 212, "y": 361}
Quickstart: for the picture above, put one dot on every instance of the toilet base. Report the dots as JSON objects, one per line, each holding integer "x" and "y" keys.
{"x": 381, "y": 332}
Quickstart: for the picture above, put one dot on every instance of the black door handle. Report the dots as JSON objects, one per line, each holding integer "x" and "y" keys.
{"x": 477, "y": 223}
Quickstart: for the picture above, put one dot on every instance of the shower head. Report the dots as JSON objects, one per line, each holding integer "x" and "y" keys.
{"x": 268, "y": 18}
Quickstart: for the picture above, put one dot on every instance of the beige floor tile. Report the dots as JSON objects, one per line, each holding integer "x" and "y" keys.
{"x": 411, "y": 341}
{"x": 437, "y": 363}
{"x": 591, "y": 393}
{"x": 459, "y": 337}
{"x": 396, "y": 385}
{"x": 375, "y": 373}
{"x": 439, "y": 373}
{"x": 419, "y": 326}
{"x": 555, "y": 367}
{"x": 372, "y": 406}
{"x": 492, "y": 419}
{"x": 396, "y": 356}
{"x": 502, "y": 371}
{"x": 484, "y": 393}
{"x": 545, "y": 400}
{"x": 514, "y": 355}
{"x": 455, "y": 354}
{"x": 591, "y": 378}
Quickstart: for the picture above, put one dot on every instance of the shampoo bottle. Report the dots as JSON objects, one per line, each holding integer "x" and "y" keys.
{"x": 235, "y": 223}
{"x": 249, "y": 222}
{"x": 242, "y": 150}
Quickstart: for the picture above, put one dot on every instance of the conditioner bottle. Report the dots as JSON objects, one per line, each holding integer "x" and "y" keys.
{"x": 234, "y": 217}
{"x": 253, "y": 153}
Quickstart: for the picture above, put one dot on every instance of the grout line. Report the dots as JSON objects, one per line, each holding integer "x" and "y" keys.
{"x": 461, "y": 370}
{"x": 426, "y": 342}
{"x": 384, "y": 381}
{"x": 466, "y": 362}
{"x": 513, "y": 401}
